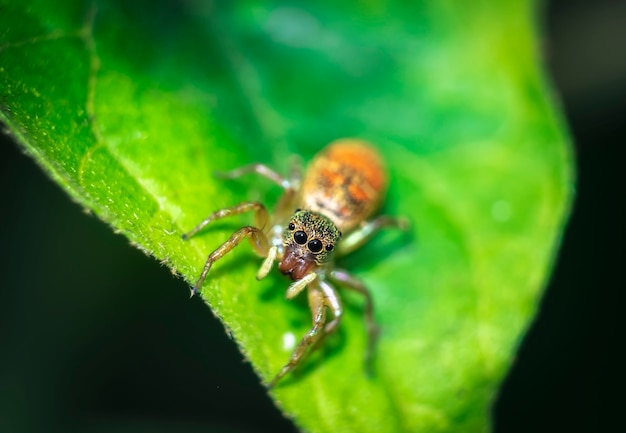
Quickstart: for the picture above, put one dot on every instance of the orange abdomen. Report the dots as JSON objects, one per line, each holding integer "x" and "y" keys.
{"x": 346, "y": 182}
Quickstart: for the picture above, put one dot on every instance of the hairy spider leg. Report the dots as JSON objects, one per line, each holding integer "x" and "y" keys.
{"x": 257, "y": 238}
{"x": 291, "y": 185}
{"x": 318, "y": 303}
{"x": 332, "y": 297}
{"x": 355, "y": 239}
{"x": 334, "y": 304}
{"x": 260, "y": 216}
{"x": 260, "y": 169}
{"x": 348, "y": 281}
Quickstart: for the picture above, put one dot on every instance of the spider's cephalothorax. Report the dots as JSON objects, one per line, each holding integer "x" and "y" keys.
{"x": 342, "y": 188}
{"x": 309, "y": 240}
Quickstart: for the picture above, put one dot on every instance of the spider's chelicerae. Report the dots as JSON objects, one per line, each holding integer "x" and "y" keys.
{"x": 325, "y": 214}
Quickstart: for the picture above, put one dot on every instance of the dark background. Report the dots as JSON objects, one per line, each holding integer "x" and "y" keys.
{"x": 83, "y": 347}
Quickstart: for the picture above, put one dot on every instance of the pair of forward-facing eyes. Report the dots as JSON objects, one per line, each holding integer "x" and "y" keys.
{"x": 314, "y": 245}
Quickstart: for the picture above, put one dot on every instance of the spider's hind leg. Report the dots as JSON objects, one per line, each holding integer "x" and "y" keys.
{"x": 350, "y": 282}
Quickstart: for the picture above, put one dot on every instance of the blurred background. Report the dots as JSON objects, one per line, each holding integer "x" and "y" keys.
{"x": 84, "y": 348}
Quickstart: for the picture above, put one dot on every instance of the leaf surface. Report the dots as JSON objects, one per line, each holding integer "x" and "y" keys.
{"x": 131, "y": 107}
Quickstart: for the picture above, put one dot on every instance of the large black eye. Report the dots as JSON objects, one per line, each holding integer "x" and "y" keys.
{"x": 291, "y": 226}
{"x": 315, "y": 246}
{"x": 300, "y": 237}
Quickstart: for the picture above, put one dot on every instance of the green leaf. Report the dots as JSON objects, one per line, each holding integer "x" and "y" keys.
{"x": 131, "y": 106}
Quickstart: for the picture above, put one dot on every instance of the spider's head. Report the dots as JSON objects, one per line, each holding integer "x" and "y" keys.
{"x": 309, "y": 240}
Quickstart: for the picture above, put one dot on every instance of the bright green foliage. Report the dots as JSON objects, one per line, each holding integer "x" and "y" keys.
{"x": 131, "y": 106}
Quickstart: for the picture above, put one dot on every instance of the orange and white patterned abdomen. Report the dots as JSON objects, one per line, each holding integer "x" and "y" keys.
{"x": 345, "y": 182}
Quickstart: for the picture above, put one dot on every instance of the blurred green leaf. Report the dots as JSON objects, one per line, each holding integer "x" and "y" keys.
{"x": 132, "y": 106}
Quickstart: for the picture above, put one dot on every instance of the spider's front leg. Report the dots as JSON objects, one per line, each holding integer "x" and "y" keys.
{"x": 319, "y": 302}
{"x": 257, "y": 237}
